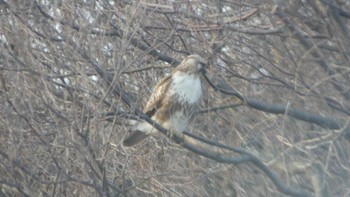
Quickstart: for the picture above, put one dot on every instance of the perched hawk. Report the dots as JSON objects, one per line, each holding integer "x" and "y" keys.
{"x": 174, "y": 100}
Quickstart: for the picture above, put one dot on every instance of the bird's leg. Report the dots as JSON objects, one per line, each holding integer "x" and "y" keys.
{"x": 178, "y": 137}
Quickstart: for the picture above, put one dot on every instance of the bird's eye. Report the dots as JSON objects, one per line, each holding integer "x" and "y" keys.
{"x": 201, "y": 67}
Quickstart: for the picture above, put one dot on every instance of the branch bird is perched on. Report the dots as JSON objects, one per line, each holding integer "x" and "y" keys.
{"x": 174, "y": 100}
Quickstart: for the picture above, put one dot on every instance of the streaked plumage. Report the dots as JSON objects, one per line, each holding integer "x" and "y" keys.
{"x": 174, "y": 100}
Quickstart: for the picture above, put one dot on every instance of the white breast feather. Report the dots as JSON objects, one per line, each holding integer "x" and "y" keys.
{"x": 188, "y": 87}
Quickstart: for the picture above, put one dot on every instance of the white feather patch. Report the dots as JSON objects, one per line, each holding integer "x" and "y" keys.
{"x": 188, "y": 87}
{"x": 178, "y": 122}
{"x": 145, "y": 127}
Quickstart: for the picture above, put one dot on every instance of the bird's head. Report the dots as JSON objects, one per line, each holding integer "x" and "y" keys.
{"x": 193, "y": 64}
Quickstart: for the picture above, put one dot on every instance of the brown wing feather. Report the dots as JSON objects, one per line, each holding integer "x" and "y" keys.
{"x": 155, "y": 100}
{"x": 154, "y": 103}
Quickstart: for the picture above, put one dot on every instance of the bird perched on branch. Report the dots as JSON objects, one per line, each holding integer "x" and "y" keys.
{"x": 174, "y": 100}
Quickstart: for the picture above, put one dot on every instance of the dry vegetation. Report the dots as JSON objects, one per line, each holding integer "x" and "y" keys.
{"x": 73, "y": 72}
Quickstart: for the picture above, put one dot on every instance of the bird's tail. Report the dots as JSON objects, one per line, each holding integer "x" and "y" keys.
{"x": 135, "y": 137}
